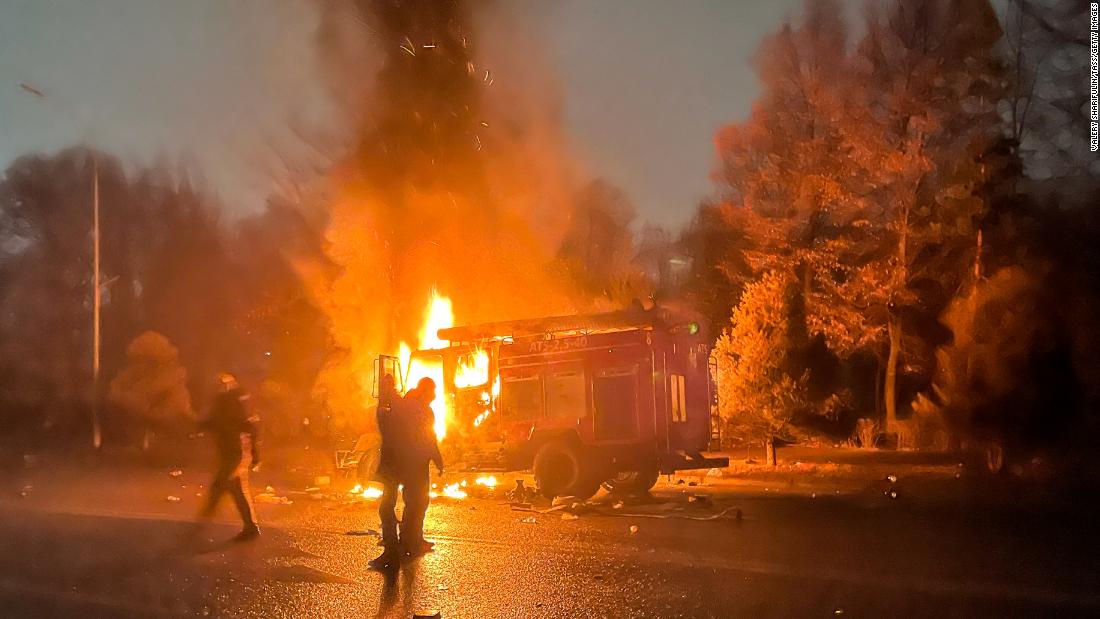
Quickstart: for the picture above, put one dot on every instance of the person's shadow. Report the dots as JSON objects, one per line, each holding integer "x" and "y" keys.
{"x": 406, "y": 574}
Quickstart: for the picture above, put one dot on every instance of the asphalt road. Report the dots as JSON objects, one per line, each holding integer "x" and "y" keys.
{"x": 925, "y": 553}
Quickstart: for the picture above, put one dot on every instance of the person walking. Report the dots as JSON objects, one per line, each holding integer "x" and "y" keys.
{"x": 234, "y": 428}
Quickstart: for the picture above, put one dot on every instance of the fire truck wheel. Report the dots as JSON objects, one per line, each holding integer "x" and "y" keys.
{"x": 561, "y": 470}
{"x": 634, "y": 482}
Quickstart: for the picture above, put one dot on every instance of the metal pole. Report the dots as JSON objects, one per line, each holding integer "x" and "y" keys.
{"x": 97, "y": 434}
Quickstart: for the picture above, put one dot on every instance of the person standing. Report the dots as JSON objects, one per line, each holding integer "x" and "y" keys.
{"x": 424, "y": 449}
{"x": 389, "y": 471}
{"x": 408, "y": 446}
{"x": 234, "y": 428}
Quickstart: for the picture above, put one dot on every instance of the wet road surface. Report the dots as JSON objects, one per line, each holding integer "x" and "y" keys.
{"x": 859, "y": 555}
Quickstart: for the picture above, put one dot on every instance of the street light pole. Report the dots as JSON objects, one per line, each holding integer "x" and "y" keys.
{"x": 97, "y": 433}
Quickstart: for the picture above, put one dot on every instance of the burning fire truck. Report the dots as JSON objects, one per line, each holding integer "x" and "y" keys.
{"x": 618, "y": 398}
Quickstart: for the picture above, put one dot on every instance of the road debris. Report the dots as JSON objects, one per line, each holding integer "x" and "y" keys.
{"x": 563, "y": 500}
{"x": 171, "y": 498}
{"x": 175, "y": 473}
{"x": 363, "y": 532}
{"x": 427, "y": 614}
{"x": 633, "y": 529}
{"x": 700, "y": 500}
{"x": 569, "y": 516}
{"x": 272, "y": 498}
{"x": 530, "y": 520}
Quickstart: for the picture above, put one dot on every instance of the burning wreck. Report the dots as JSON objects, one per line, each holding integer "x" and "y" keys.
{"x": 616, "y": 397}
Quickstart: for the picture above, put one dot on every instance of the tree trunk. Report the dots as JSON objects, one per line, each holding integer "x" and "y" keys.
{"x": 879, "y": 379}
{"x": 890, "y": 386}
{"x": 769, "y": 451}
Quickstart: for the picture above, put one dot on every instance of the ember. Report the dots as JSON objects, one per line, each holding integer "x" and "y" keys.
{"x": 488, "y": 482}
{"x": 451, "y": 491}
{"x": 366, "y": 492}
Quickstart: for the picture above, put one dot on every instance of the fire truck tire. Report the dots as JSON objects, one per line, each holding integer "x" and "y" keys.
{"x": 562, "y": 470}
{"x": 634, "y": 482}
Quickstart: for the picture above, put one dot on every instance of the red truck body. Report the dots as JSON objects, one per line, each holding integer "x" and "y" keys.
{"x": 593, "y": 398}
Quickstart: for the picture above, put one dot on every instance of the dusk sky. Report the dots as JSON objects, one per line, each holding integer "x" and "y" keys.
{"x": 208, "y": 83}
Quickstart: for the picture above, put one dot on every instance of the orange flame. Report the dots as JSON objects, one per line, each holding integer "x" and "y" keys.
{"x": 472, "y": 370}
{"x": 438, "y": 315}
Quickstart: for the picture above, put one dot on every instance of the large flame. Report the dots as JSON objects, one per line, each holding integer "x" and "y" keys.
{"x": 438, "y": 315}
{"x": 472, "y": 370}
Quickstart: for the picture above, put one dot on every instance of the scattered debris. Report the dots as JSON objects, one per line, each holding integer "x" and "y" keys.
{"x": 569, "y": 516}
{"x": 716, "y": 473}
{"x": 363, "y": 532}
{"x": 633, "y": 529}
{"x": 530, "y": 520}
{"x": 521, "y": 493}
{"x": 175, "y": 473}
{"x": 701, "y": 500}
{"x": 442, "y": 587}
{"x": 693, "y": 483}
{"x": 171, "y": 498}
{"x": 427, "y": 614}
{"x": 271, "y": 497}
{"x": 617, "y": 505}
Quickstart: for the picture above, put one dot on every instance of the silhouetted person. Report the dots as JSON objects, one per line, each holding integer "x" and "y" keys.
{"x": 234, "y": 430}
{"x": 389, "y": 471}
{"x": 424, "y": 449}
{"x": 369, "y": 444}
{"x": 408, "y": 445}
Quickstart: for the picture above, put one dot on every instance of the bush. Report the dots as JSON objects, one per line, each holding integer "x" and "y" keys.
{"x": 152, "y": 387}
{"x": 756, "y": 395}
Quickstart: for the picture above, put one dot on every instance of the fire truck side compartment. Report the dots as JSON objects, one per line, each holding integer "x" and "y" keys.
{"x": 632, "y": 399}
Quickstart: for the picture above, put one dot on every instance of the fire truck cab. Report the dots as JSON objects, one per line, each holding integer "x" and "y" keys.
{"x": 617, "y": 398}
